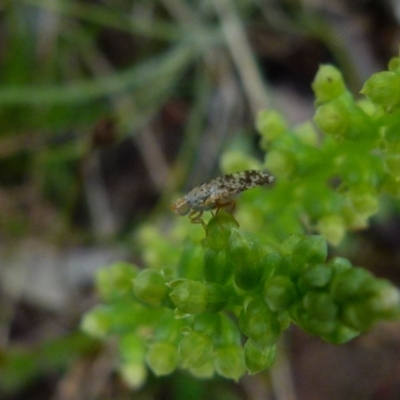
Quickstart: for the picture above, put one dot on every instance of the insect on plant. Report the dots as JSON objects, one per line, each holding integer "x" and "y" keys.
{"x": 219, "y": 193}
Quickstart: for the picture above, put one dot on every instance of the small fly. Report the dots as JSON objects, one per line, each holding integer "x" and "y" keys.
{"x": 218, "y": 193}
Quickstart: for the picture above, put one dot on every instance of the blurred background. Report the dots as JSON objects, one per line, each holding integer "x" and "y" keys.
{"x": 109, "y": 109}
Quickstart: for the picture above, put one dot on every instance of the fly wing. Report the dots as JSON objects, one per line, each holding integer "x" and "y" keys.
{"x": 232, "y": 184}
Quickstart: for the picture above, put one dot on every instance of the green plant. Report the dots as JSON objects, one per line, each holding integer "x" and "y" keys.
{"x": 194, "y": 308}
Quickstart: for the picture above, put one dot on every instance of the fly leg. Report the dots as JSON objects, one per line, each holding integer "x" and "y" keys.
{"x": 229, "y": 206}
{"x": 195, "y": 218}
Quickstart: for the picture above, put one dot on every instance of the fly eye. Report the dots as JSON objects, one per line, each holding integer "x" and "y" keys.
{"x": 180, "y": 207}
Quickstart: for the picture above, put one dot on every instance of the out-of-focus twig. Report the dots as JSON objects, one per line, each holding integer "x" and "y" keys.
{"x": 242, "y": 55}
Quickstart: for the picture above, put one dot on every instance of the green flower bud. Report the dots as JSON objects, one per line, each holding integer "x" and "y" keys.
{"x": 386, "y": 300}
{"x": 168, "y": 329}
{"x": 350, "y": 284}
{"x": 190, "y": 297}
{"x": 192, "y": 254}
{"x": 132, "y": 348}
{"x": 229, "y": 333}
{"x": 281, "y": 163}
{"x": 309, "y": 250}
{"x": 394, "y": 64}
{"x": 392, "y": 162}
{"x": 381, "y": 302}
{"x": 229, "y": 361}
{"x": 357, "y": 316}
{"x": 206, "y": 323}
{"x": 320, "y": 305}
{"x": 133, "y": 373}
{"x": 340, "y": 334}
{"x": 195, "y": 349}
{"x": 217, "y": 297}
{"x": 309, "y": 319}
{"x": 149, "y": 287}
{"x": 258, "y": 359}
{"x": 132, "y": 369}
{"x": 284, "y": 320}
{"x": 236, "y": 160}
{"x": 246, "y": 252}
{"x": 307, "y": 134}
{"x": 353, "y": 219}
{"x": 279, "y": 293}
{"x": 339, "y": 265}
{"x": 315, "y": 277}
{"x": 270, "y": 125}
{"x": 162, "y": 358}
{"x": 115, "y": 281}
{"x": 219, "y": 231}
{"x": 259, "y": 323}
{"x": 328, "y": 84}
{"x": 333, "y": 228}
{"x": 290, "y": 243}
{"x": 383, "y": 88}
{"x": 205, "y": 371}
{"x": 362, "y": 126}
{"x": 218, "y": 266}
{"x": 391, "y": 185}
{"x": 333, "y": 118}
{"x": 318, "y": 327}
{"x": 363, "y": 199}
{"x": 276, "y": 264}
{"x": 97, "y": 322}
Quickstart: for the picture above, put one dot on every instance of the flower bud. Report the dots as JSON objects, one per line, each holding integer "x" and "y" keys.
{"x": 307, "y": 134}
{"x": 391, "y": 185}
{"x": 314, "y": 277}
{"x": 219, "y": 230}
{"x": 350, "y": 283}
{"x": 258, "y": 358}
{"x": 270, "y": 125}
{"x": 218, "y": 266}
{"x": 246, "y": 252}
{"x": 392, "y": 159}
{"x": 162, "y": 358}
{"x": 132, "y": 348}
{"x": 205, "y": 371}
{"x": 340, "y": 334}
{"x": 281, "y": 163}
{"x": 206, "y": 323}
{"x": 276, "y": 264}
{"x": 383, "y": 88}
{"x": 333, "y": 118}
{"x": 290, "y": 242}
{"x": 229, "y": 361}
{"x": 217, "y": 297}
{"x": 190, "y": 297}
{"x": 133, "y": 373}
{"x": 394, "y": 64}
{"x": 115, "y": 281}
{"x": 332, "y": 227}
{"x": 309, "y": 250}
{"x": 320, "y": 305}
{"x": 97, "y": 322}
{"x": 236, "y": 160}
{"x": 328, "y": 84}
{"x": 259, "y": 323}
{"x": 195, "y": 349}
{"x": 363, "y": 199}
{"x": 149, "y": 287}
{"x": 382, "y": 301}
{"x": 279, "y": 293}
